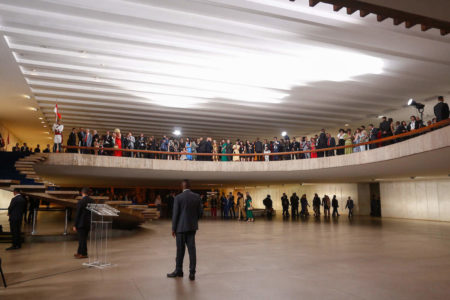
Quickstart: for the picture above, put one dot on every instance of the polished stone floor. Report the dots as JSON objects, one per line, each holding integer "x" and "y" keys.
{"x": 335, "y": 259}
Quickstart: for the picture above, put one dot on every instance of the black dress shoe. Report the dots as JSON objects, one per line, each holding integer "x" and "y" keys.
{"x": 192, "y": 276}
{"x": 175, "y": 274}
{"x": 12, "y": 248}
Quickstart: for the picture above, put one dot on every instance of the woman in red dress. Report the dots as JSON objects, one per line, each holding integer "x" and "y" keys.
{"x": 117, "y": 142}
{"x": 313, "y": 147}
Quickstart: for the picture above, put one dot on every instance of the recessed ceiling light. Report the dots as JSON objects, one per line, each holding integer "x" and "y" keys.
{"x": 176, "y": 132}
{"x": 284, "y": 133}
{"x": 27, "y": 96}
{"x": 45, "y": 125}
{"x": 40, "y": 118}
{"x": 346, "y": 125}
{"x": 33, "y": 108}
{"x": 42, "y": 122}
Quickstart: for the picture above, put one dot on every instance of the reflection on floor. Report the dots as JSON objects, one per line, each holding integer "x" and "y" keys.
{"x": 336, "y": 259}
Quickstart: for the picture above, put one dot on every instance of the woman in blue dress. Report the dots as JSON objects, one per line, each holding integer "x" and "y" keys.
{"x": 188, "y": 149}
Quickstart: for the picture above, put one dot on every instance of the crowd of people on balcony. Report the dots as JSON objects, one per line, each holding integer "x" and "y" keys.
{"x": 111, "y": 142}
{"x": 255, "y": 150}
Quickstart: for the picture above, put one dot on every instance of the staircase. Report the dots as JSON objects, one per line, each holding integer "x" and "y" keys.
{"x": 30, "y": 184}
{"x": 25, "y": 166}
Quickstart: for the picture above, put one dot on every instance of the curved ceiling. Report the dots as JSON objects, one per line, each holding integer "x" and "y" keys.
{"x": 224, "y": 68}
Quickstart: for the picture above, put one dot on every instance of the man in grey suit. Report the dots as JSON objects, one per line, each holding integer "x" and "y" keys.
{"x": 187, "y": 209}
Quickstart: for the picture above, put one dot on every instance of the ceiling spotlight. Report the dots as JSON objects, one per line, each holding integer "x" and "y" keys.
{"x": 40, "y": 118}
{"x": 33, "y": 108}
{"x": 42, "y": 122}
{"x": 27, "y": 96}
{"x": 45, "y": 125}
{"x": 380, "y": 117}
{"x": 176, "y": 132}
{"x": 284, "y": 133}
{"x": 346, "y": 125}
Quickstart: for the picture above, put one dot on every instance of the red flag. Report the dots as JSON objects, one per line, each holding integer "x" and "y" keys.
{"x": 58, "y": 115}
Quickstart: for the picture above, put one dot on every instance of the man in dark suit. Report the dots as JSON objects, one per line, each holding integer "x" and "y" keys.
{"x": 331, "y": 143}
{"x": 322, "y": 143}
{"x": 441, "y": 110}
{"x": 16, "y": 148}
{"x": 16, "y": 210}
{"x": 373, "y": 133}
{"x": 350, "y": 205}
{"x": 186, "y": 212}
{"x": 385, "y": 128}
{"x": 208, "y": 148}
{"x": 285, "y": 205}
{"x": 72, "y": 141}
{"x": 294, "y": 205}
{"x": 259, "y": 148}
{"x": 413, "y": 125}
{"x": 83, "y": 223}
{"x": 108, "y": 143}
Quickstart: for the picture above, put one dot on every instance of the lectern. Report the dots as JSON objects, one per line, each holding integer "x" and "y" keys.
{"x": 101, "y": 227}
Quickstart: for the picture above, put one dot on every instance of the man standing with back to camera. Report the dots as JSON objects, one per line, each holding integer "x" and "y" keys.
{"x": 186, "y": 212}
{"x": 82, "y": 223}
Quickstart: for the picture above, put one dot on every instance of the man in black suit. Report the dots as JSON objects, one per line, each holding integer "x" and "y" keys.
{"x": 259, "y": 148}
{"x": 285, "y": 205}
{"x": 208, "y": 149}
{"x": 331, "y": 143}
{"x": 108, "y": 143}
{"x": 373, "y": 135}
{"x": 72, "y": 141}
{"x": 16, "y": 210}
{"x": 16, "y": 148}
{"x": 413, "y": 125}
{"x": 441, "y": 110}
{"x": 294, "y": 205}
{"x": 386, "y": 131}
{"x": 322, "y": 143}
{"x": 83, "y": 223}
{"x": 186, "y": 212}
{"x": 350, "y": 205}
{"x": 24, "y": 148}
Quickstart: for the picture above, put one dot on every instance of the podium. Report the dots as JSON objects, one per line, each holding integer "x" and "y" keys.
{"x": 101, "y": 227}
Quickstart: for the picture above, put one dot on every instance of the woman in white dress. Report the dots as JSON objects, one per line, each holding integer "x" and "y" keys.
{"x": 236, "y": 150}
{"x": 267, "y": 157}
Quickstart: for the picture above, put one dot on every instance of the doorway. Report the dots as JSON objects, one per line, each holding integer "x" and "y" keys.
{"x": 375, "y": 200}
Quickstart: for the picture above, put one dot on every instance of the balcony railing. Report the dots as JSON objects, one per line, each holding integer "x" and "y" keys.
{"x": 382, "y": 141}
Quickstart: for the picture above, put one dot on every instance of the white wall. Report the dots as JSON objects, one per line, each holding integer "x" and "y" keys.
{"x": 5, "y": 199}
{"x": 12, "y": 138}
{"x": 358, "y": 192}
{"x": 418, "y": 199}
